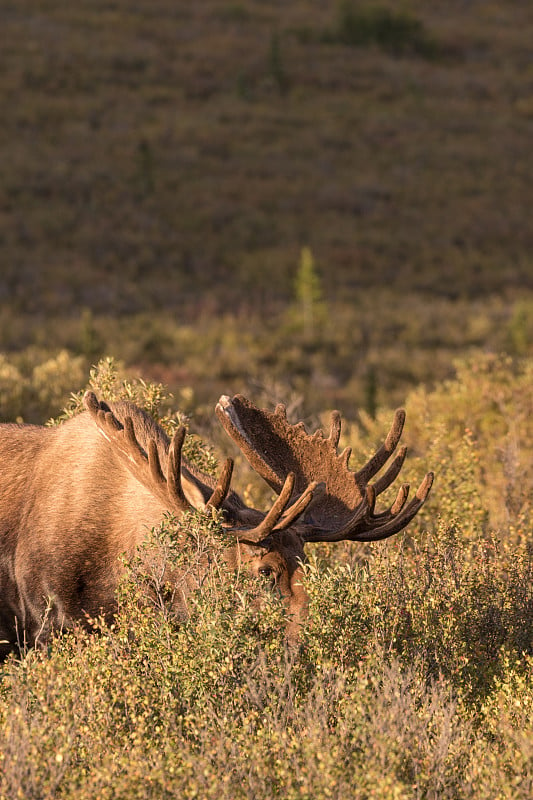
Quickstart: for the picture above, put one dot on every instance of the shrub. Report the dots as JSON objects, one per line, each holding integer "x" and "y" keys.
{"x": 33, "y": 386}
{"x": 398, "y": 32}
{"x": 412, "y": 677}
{"x": 394, "y": 690}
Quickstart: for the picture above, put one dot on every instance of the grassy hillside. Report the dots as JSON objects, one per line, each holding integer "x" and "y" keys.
{"x": 164, "y": 164}
{"x": 179, "y": 155}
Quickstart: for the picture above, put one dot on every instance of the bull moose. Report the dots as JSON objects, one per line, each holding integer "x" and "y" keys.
{"x": 76, "y": 497}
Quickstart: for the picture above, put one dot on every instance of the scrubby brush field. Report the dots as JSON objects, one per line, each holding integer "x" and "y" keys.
{"x": 150, "y": 152}
{"x": 413, "y": 678}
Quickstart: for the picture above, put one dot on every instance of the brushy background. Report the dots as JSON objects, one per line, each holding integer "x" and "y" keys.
{"x": 321, "y": 204}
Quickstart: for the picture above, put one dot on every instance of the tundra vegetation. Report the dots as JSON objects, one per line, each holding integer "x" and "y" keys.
{"x": 413, "y": 676}
{"x": 178, "y": 181}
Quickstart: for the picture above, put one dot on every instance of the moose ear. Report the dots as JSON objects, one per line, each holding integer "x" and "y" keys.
{"x": 193, "y": 493}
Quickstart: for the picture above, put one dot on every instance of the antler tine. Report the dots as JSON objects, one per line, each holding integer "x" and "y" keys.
{"x": 267, "y": 525}
{"x": 401, "y": 498}
{"x": 123, "y": 435}
{"x": 300, "y": 505}
{"x": 154, "y": 463}
{"x": 107, "y": 422}
{"x": 90, "y": 401}
{"x": 175, "y": 489}
{"x": 392, "y": 473}
{"x": 399, "y": 521}
{"x": 387, "y": 448}
{"x": 335, "y": 428}
{"x": 129, "y": 431}
{"x": 220, "y": 492}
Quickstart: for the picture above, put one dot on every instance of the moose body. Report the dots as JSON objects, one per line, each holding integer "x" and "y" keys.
{"x": 76, "y": 497}
{"x": 68, "y": 510}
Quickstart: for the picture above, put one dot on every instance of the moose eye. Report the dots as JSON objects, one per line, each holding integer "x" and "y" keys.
{"x": 265, "y": 571}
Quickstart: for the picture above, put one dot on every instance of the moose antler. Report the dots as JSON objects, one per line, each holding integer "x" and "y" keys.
{"x": 313, "y": 481}
{"x": 145, "y": 464}
{"x": 346, "y": 507}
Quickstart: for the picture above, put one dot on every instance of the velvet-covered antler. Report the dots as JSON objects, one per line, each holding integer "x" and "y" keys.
{"x": 346, "y": 507}
{"x": 145, "y": 464}
{"x": 166, "y": 481}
